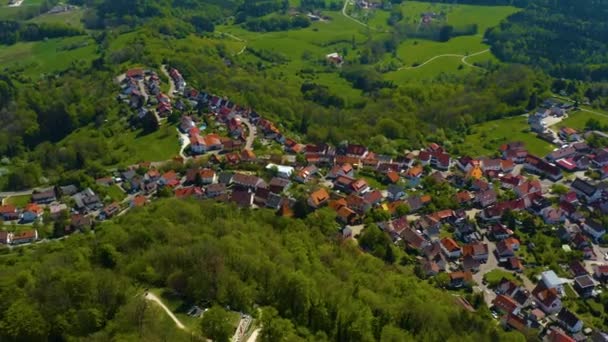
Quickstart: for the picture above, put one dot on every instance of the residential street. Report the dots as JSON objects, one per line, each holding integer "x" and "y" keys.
{"x": 490, "y": 265}
{"x": 252, "y": 131}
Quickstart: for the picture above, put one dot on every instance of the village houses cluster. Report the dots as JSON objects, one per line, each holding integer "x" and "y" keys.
{"x": 459, "y": 242}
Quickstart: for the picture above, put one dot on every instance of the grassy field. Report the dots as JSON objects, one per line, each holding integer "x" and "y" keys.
{"x": 53, "y": 55}
{"x": 488, "y": 136}
{"x": 578, "y": 119}
{"x": 459, "y": 15}
{"x": 180, "y": 309}
{"x": 71, "y": 18}
{"x": 18, "y": 201}
{"x": 158, "y": 146}
{"x": 15, "y": 12}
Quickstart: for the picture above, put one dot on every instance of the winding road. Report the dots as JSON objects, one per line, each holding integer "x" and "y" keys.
{"x": 154, "y": 298}
{"x": 463, "y": 59}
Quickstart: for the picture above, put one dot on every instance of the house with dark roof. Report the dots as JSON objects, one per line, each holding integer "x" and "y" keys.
{"x": 413, "y": 239}
{"x": 540, "y": 167}
{"x": 584, "y": 285}
{"x": 585, "y": 190}
{"x": 45, "y": 196}
{"x": 561, "y": 153}
{"x": 569, "y": 321}
{"x": 395, "y": 192}
{"x": 595, "y": 229}
{"x": 242, "y": 198}
{"x": 215, "y": 190}
{"x": 486, "y": 198}
{"x": 247, "y": 181}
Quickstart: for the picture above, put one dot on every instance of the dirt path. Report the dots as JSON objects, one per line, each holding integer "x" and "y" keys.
{"x": 463, "y": 59}
{"x": 152, "y": 297}
{"x": 353, "y": 19}
{"x": 237, "y": 39}
{"x": 254, "y": 335}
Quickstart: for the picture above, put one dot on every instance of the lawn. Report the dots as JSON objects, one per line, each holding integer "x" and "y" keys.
{"x": 36, "y": 58}
{"x": 494, "y": 277}
{"x": 18, "y": 201}
{"x": 578, "y": 119}
{"x": 488, "y": 136}
{"x": 115, "y": 193}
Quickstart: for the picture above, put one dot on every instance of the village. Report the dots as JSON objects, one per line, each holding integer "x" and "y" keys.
{"x": 468, "y": 221}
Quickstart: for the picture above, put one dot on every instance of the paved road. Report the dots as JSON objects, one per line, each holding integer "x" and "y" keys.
{"x": 163, "y": 69}
{"x": 152, "y": 297}
{"x": 251, "y": 134}
{"x": 490, "y": 265}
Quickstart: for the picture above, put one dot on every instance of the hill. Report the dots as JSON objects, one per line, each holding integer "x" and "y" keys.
{"x": 209, "y": 253}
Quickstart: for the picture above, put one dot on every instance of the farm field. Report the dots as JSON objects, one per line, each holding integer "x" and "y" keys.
{"x": 488, "y": 136}
{"x": 36, "y": 58}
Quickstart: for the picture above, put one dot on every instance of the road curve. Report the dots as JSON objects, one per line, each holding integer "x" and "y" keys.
{"x": 464, "y": 59}
{"x": 154, "y": 298}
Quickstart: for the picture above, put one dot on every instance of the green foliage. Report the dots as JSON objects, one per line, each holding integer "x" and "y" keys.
{"x": 566, "y": 38}
{"x": 310, "y": 286}
{"x": 215, "y": 324}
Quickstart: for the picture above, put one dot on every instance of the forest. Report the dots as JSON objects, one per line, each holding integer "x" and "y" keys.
{"x": 565, "y": 38}
{"x": 310, "y": 285}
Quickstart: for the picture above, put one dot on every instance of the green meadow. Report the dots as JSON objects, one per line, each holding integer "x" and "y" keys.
{"x": 578, "y": 119}
{"x": 487, "y": 137}
{"x": 35, "y": 58}
{"x": 71, "y": 18}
